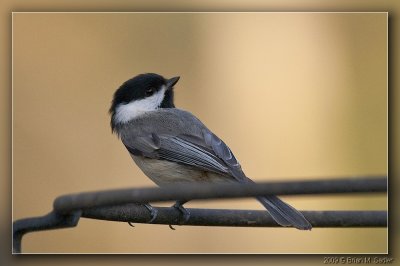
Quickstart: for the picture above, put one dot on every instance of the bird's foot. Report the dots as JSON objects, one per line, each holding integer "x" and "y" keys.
{"x": 186, "y": 214}
{"x": 153, "y": 212}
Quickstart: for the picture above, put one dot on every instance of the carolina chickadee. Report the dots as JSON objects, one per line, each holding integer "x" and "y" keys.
{"x": 171, "y": 145}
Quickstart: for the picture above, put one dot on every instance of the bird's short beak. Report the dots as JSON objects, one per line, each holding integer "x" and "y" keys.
{"x": 171, "y": 82}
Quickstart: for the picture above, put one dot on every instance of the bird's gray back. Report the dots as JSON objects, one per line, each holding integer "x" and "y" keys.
{"x": 169, "y": 121}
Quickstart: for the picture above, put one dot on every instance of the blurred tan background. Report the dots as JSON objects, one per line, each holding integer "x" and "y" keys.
{"x": 295, "y": 95}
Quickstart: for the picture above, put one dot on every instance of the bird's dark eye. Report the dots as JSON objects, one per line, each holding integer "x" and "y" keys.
{"x": 150, "y": 91}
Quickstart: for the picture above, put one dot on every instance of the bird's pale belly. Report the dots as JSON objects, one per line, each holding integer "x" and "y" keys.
{"x": 165, "y": 173}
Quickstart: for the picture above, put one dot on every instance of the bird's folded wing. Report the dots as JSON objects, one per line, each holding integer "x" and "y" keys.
{"x": 206, "y": 152}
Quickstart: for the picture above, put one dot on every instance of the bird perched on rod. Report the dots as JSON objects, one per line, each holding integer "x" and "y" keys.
{"x": 173, "y": 146}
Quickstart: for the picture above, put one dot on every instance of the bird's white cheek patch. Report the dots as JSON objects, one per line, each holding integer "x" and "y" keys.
{"x": 126, "y": 112}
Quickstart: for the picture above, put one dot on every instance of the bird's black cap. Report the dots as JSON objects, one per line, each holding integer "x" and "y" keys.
{"x": 138, "y": 88}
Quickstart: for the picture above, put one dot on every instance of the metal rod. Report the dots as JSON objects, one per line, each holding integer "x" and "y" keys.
{"x": 124, "y": 205}
{"x": 221, "y": 217}
{"x": 68, "y": 203}
{"x": 198, "y": 217}
{"x": 50, "y": 221}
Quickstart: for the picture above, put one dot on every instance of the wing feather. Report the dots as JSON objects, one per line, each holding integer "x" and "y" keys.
{"x": 206, "y": 152}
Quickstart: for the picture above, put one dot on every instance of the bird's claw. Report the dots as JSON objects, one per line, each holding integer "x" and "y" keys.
{"x": 171, "y": 227}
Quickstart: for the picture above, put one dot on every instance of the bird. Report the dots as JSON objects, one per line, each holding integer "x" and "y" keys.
{"x": 172, "y": 146}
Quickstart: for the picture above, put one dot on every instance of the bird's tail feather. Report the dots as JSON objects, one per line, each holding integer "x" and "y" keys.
{"x": 283, "y": 213}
